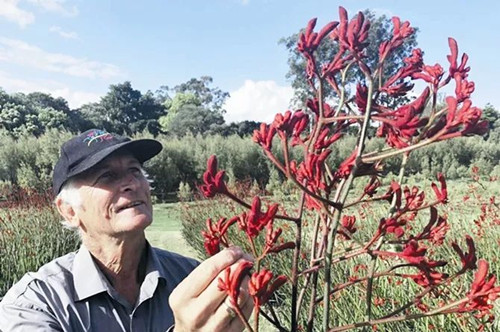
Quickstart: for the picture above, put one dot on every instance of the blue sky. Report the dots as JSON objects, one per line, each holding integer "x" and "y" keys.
{"x": 77, "y": 48}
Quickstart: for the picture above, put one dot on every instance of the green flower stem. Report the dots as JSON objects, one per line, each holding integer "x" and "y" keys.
{"x": 439, "y": 311}
{"x": 337, "y": 214}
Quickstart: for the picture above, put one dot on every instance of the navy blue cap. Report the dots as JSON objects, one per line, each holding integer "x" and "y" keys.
{"x": 86, "y": 150}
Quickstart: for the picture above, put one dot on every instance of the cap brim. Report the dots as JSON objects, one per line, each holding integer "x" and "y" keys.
{"x": 142, "y": 149}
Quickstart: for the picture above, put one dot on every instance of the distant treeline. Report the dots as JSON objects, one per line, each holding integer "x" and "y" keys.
{"x": 27, "y": 161}
{"x": 193, "y": 106}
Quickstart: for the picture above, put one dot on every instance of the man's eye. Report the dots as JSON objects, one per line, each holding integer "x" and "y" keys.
{"x": 135, "y": 170}
{"x": 106, "y": 175}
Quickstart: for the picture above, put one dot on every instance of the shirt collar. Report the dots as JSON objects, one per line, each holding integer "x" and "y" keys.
{"x": 89, "y": 279}
{"x": 87, "y": 276}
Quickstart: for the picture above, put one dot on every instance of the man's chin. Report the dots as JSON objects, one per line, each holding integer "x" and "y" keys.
{"x": 135, "y": 220}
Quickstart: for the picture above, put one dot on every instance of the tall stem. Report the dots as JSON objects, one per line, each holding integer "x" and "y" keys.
{"x": 295, "y": 264}
{"x": 338, "y": 213}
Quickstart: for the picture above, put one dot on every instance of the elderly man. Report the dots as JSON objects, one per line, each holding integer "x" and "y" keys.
{"x": 116, "y": 281}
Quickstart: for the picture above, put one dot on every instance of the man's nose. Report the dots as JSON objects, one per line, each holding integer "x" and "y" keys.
{"x": 129, "y": 181}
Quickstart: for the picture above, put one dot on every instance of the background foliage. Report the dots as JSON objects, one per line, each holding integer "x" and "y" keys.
{"x": 27, "y": 161}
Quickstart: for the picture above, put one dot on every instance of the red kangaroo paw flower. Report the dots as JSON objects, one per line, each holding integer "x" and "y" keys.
{"x": 463, "y": 89}
{"x": 254, "y": 221}
{"x": 483, "y": 291}
{"x": 213, "y": 180}
{"x": 264, "y": 136}
{"x": 441, "y": 195}
{"x": 468, "y": 259}
{"x": 435, "y": 230}
{"x": 261, "y": 288}
{"x": 231, "y": 282}
{"x": 214, "y": 236}
{"x": 372, "y": 186}
{"x": 452, "y": 58}
{"x": 349, "y": 228}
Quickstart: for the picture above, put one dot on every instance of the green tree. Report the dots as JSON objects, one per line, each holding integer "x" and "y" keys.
{"x": 125, "y": 110}
{"x": 196, "y": 120}
{"x": 381, "y": 29}
{"x": 492, "y": 115}
{"x": 35, "y": 113}
{"x": 210, "y": 98}
{"x": 196, "y": 107}
{"x": 173, "y": 106}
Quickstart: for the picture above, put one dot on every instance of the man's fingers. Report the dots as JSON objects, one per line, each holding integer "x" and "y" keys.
{"x": 225, "y": 316}
{"x": 196, "y": 282}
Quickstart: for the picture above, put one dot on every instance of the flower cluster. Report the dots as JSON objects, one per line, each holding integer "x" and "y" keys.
{"x": 326, "y": 182}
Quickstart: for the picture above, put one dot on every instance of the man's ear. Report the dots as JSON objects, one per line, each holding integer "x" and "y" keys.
{"x": 68, "y": 212}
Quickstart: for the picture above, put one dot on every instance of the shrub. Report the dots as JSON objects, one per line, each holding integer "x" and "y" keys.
{"x": 30, "y": 235}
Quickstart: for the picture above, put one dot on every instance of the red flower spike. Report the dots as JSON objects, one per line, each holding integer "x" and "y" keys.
{"x": 463, "y": 89}
{"x": 402, "y": 124}
{"x": 441, "y": 195}
{"x": 428, "y": 278}
{"x": 213, "y": 180}
{"x": 414, "y": 198}
{"x": 282, "y": 124}
{"x": 352, "y": 35}
{"x": 260, "y": 287}
{"x": 310, "y": 40}
{"x": 271, "y": 236}
{"x": 324, "y": 141}
{"x": 372, "y": 186}
{"x": 395, "y": 189}
{"x": 300, "y": 121}
{"x": 214, "y": 236}
{"x": 345, "y": 168}
{"x": 231, "y": 282}
{"x": 392, "y": 225}
{"x": 483, "y": 291}
{"x": 466, "y": 117}
{"x": 264, "y": 136}
{"x": 468, "y": 259}
{"x": 399, "y": 33}
{"x": 430, "y": 74}
{"x": 452, "y": 58}
{"x": 412, "y": 253}
{"x": 289, "y": 124}
{"x": 254, "y": 221}
{"x": 311, "y": 169}
{"x": 349, "y": 228}
{"x": 211, "y": 243}
{"x": 435, "y": 231}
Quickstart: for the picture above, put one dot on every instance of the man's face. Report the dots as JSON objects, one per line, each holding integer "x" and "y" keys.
{"x": 115, "y": 197}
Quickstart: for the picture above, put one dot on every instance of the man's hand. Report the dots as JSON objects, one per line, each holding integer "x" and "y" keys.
{"x": 199, "y": 305}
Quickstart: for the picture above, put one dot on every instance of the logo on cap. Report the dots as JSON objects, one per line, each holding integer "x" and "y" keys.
{"x": 97, "y": 136}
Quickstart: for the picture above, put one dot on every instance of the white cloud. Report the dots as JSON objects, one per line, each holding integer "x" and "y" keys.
{"x": 56, "y": 6}
{"x": 10, "y": 11}
{"x": 75, "y": 98}
{"x": 62, "y": 33}
{"x": 24, "y": 54}
{"x": 257, "y": 101}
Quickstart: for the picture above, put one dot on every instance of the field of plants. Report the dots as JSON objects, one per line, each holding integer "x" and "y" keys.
{"x": 31, "y": 235}
{"x": 473, "y": 209}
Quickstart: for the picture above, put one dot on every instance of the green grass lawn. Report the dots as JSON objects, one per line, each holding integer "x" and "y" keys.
{"x": 165, "y": 231}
